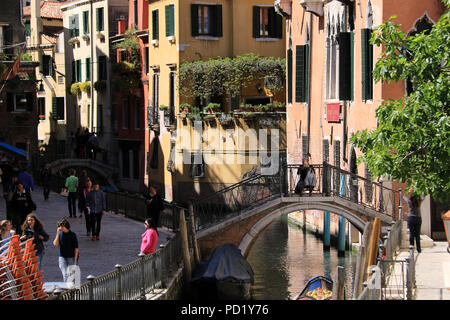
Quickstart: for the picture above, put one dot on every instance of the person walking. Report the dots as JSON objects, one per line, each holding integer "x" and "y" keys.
{"x": 6, "y": 233}
{"x": 85, "y": 210}
{"x": 72, "y": 185}
{"x": 27, "y": 180}
{"x": 21, "y": 206}
{"x": 307, "y": 177}
{"x": 82, "y": 180}
{"x": 96, "y": 204}
{"x": 7, "y": 173}
{"x": 67, "y": 242}
{"x": 154, "y": 205}
{"x": 8, "y": 195}
{"x": 414, "y": 220}
{"x": 33, "y": 228}
{"x": 46, "y": 178}
{"x": 149, "y": 237}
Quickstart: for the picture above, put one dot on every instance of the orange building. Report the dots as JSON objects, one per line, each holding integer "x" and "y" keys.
{"x": 330, "y": 89}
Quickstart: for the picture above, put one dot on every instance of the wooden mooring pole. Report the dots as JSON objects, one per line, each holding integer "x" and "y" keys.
{"x": 185, "y": 247}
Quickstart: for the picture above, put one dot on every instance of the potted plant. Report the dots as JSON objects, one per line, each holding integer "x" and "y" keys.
{"x": 185, "y": 108}
{"x": 100, "y": 36}
{"x": 75, "y": 88}
{"x": 85, "y": 87}
{"x": 74, "y": 41}
{"x": 163, "y": 107}
{"x": 100, "y": 85}
{"x": 86, "y": 37}
{"x": 213, "y": 107}
{"x": 226, "y": 120}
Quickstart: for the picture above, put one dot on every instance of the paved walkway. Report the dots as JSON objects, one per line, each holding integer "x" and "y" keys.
{"x": 433, "y": 273}
{"x": 120, "y": 238}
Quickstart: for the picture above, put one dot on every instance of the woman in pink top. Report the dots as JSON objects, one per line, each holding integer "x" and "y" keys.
{"x": 149, "y": 238}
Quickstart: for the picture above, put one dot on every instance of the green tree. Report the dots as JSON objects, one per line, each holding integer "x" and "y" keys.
{"x": 412, "y": 141}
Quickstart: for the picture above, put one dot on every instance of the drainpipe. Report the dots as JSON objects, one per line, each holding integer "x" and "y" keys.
{"x": 308, "y": 119}
{"x": 92, "y": 64}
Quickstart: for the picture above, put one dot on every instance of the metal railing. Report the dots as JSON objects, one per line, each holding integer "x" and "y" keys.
{"x": 257, "y": 189}
{"x": 133, "y": 206}
{"x": 134, "y": 280}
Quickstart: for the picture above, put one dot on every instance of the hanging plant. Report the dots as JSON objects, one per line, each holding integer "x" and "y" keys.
{"x": 100, "y": 85}
{"x": 75, "y": 88}
{"x": 130, "y": 44}
{"x": 85, "y": 87}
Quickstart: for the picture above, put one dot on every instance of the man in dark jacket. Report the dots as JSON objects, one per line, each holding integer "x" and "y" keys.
{"x": 21, "y": 205}
{"x": 96, "y": 205}
{"x": 154, "y": 205}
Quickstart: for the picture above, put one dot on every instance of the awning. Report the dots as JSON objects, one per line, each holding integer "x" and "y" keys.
{"x": 14, "y": 149}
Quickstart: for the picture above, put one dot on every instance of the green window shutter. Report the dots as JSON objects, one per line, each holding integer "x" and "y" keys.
{"x": 88, "y": 69}
{"x": 100, "y": 19}
{"x": 102, "y": 73}
{"x": 85, "y": 22}
{"x": 302, "y": 73}
{"x": 78, "y": 70}
{"x": 256, "y": 23}
{"x": 71, "y": 26}
{"x": 60, "y": 108}
{"x": 73, "y": 72}
{"x": 27, "y": 29}
{"x": 344, "y": 66}
{"x": 278, "y": 25}
{"x": 366, "y": 64}
{"x": 289, "y": 75}
{"x": 76, "y": 25}
{"x": 305, "y": 147}
{"x": 54, "y": 109}
{"x": 170, "y": 20}
{"x": 194, "y": 20}
{"x": 155, "y": 24}
{"x": 218, "y": 21}
{"x": 352, "y": 66}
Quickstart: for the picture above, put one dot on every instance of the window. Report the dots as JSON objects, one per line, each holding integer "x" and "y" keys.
{"x": 19, "y": 101}
{"x": 366, "y": 64}
{"x": 197, "y": 166}
{"x": 41, "y": 108}
{"x": 76, "y": 71}
{"x": 170, "y": 20}
{"x": 146, "y": 57}
{"x": 99, "y": 118}
{"x": 206, "y": 20}
{"x": 102, "y": 71}
{"x": 155, "y": 98}
{"x": 125, "y": 113}
{"x": 86, "y": 22}
{"x": 289, "y": 76}
{"x": 47, "y": 65}
{"x": 135, "y": 14}
{"x": 346, "y": 66}
{"x": 100, "y": 19}
{"x": 267, "y": 23}
{"x": 58, "y": 108}
{"x": 6, "y": 38}
{"x": 73, "y": 26}
{"x": 332, "y": 62}
{"x": 155, "y": 25}
{"x": 27, "y": 29}
{"x": 302, "y": 73}
{"x": 137, "y": 115}
{"x": 88, "y": 69}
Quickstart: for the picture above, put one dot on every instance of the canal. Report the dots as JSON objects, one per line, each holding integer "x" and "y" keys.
{"x": 284, "y": 258}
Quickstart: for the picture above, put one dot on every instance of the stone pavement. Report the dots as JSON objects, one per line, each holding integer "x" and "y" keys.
{"x": 120, "y": 238}
{"x": 433, "y": 272}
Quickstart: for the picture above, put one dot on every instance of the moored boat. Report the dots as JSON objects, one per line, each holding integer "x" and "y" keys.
{"x": 317, "y": 288}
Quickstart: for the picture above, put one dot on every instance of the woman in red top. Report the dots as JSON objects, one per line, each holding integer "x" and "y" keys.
{"x": 149, "y": 237}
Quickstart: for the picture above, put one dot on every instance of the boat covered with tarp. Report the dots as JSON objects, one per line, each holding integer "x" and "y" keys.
{"x": 317, "y": 288}
{"x": 226, "y": 275}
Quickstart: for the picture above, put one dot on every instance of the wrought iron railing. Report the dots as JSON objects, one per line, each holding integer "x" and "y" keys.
{"x": 134, "y": 280}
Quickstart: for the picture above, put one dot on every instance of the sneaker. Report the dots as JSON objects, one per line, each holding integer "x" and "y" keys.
{"x": 93, "y": 238}
{"x": 97, "y": 238}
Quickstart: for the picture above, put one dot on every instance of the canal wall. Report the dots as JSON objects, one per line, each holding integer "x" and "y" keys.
{"x": 312, "y": 221}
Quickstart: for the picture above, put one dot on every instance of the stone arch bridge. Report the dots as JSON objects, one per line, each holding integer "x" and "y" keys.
{"x": 238, "y": 213}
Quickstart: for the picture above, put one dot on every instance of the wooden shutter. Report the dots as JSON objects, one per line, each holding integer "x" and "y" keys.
{"x": 155, "y": 24}
{"x": 217, "y": 21}
{"x": 71, "y": 26}
{"x": 78, "y": 67}
{"x": 194, "y": 20}
{"x": 256, "y": 23}
{"x": 278, "y": 25}
{"x": 170, "y": 20}
{"x": 344, "y": 66}
{"x": 76, "y": 25}
{"x": 305, "y": 146}
{"x": 54, "y": 109}
{"x": 326, "y": 151}
{"x": 88, "y": 69}
{"x": 97, "y": 19}
{"x": 60, "y": 108}
{"x": 301, "y": 73}
{"x": 289, "y": 75}
{"x": 85, "y": 22}
{"x": 366, "y": 64}
{"x": 73, "y": 72}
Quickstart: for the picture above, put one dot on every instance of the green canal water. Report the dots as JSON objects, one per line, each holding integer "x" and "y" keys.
{"x": 284, "y": 258}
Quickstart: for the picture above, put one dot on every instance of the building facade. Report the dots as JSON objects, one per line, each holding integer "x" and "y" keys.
{"x": 183, "y": 31}
{"x": 331, "y": 92}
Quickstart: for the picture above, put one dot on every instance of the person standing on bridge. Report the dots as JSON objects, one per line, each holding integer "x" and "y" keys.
{"x": 96, "y": 203}
{"x": 72, "y": 186}
{"x": 307, "y": 177}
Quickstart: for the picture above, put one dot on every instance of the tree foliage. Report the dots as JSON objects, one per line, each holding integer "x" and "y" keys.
{"x": 412, "y": 141}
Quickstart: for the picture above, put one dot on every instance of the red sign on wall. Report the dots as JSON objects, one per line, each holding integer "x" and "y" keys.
{"x": 333, "y": 112}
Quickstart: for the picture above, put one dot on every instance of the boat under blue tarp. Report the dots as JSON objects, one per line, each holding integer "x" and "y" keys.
{"x": 14, "y": 149}
{"x": 226, "y": 275}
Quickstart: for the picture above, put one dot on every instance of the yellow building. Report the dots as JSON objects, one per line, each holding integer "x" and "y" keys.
{"x": 182, "y": 31}
{"x": 45, "y": 43}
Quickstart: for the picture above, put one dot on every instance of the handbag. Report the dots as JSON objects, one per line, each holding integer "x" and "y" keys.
{"x": 310, "y": 179}
{"x": 64, "y": 192}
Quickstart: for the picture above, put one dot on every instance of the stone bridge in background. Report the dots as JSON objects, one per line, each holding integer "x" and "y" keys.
{"x": 237, "y": 214}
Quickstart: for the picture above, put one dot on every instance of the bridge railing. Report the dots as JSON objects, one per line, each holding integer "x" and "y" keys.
{"x": 334, "y": 181}
{"x": 232, "y": 200}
